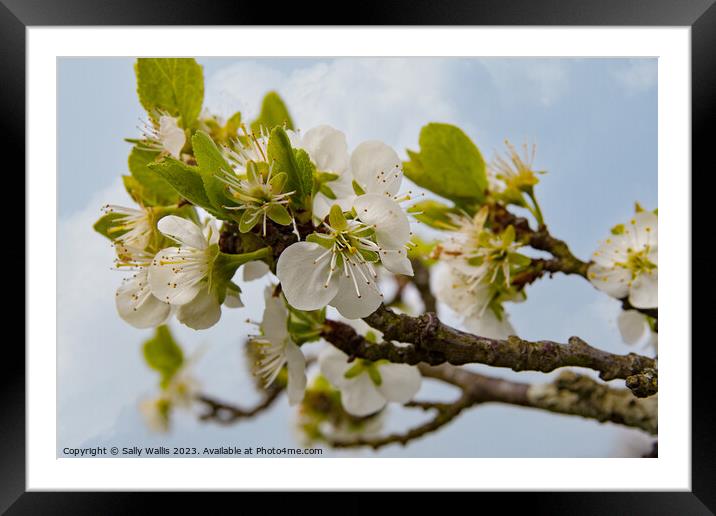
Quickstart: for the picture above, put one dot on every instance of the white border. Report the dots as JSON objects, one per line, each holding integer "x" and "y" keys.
{"x": 670, "y": 471}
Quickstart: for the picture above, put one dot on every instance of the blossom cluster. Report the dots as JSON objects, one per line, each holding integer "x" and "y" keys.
{"x": 358, "y": 226}
{"x": 324, "y": 227}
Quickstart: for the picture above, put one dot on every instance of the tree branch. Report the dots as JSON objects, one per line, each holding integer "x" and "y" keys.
{"x": 226, "y": 414}
{"x": 569, "y": 394}
{"x": 444, "y": 413}
{"x": 434, "y": 343}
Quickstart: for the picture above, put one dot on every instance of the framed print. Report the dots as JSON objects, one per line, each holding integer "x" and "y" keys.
{"x": 378, "y": 257}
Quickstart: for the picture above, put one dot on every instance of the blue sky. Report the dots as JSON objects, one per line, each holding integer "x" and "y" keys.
{"x": 595, "y": 125}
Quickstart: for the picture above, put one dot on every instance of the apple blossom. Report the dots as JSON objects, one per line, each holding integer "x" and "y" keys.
{"x": 337, "y": 267}
{"x": 165, "y": 135}
{"x": 626, "y": 264}
{"x": 366, "y": 387}
{"x": 137, "y": 225}
{"x": 179, "y": 275}
{"x": 276, "y": 349}
{"x": 328, "y": 150}
{"x": 134, "y": 300}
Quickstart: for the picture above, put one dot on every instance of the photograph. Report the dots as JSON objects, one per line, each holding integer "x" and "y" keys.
{"x": 357, "y": 257}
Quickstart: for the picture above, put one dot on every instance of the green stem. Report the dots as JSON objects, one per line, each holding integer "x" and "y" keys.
{"x": 537, "y": 211}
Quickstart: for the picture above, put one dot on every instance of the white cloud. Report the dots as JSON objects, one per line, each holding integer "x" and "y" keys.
{"x": 387, "y": 99}
{"x": 528, "y": 80}
{"x": 635, "y": 75}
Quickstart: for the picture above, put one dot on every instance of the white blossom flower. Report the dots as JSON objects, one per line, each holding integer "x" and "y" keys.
{"x": 479, "y": 254}
{"x": 178, "y": 275}
{"x": 626, "y": 264}
{"x": 328, "y": 150}
{"x": 134, "y": 300}
{"x": 137, "y": 225}
{"x": 166, "y": 136}
{"x": 339, "y": 270}
{"x": 366, "y": 387}
{"x": 377, "y": 168}
{"x": 471, "y": 300}
{"x": 276, "y": 348}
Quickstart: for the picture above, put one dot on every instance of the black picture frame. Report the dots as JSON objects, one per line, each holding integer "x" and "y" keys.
{"x": 700, "y": 15}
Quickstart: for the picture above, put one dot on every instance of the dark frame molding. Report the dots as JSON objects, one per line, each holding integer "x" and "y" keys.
{"x": 700, "y": 15}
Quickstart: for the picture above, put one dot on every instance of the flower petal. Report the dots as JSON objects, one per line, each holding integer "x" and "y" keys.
{"x": 333, "y": 364}
{"x": 643, "y": 229}
{"x": 138, "y": 306}
{"x": 172, "y": 136}
{"x": 303, "y": 269}
{"x": 296, "y": 364}
{"x": 170, "y": 280}
{"x": 488, "y": 325}
{"x": 275, "y": 318}
{"x": 614, "y": 249}
{"x": 400, "y": 382}
{"x": 614, "y": 281}
{"x": 327, "y": 147}
{"x": 203, "y": 312}
{"x": 396, "y": 261}
{"x": 391, "y": 224}
{"x": 632, "y": 326}
{"x": 352, "y": 303}
{"x": 377, "y": 168}
{"x": 644, "y": 291}
{"x": 233, "y": 299}
{"x": 255, "y": 270}
{"x": 183, "y": 231}
{"x": 360, "y": 397}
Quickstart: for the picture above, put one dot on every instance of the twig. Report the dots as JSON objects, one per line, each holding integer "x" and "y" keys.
{"x": 444, "y": 414}
{"x": 226, "y": 414}
{"x": 569, "y": 394}
{"x": 564, "y": 261}
{"x": 434, "y": 343}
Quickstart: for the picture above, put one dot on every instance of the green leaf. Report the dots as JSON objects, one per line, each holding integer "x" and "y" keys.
{"x": 185, "y": 179}
{"x": 249, "y": 218}
{"x": 274, "y": 113}
{"x": 174, "y": 85}
{"x": 435, "y": 214}
{"x": 448, "y": 164}
{"x": 211, "y": 165}
{"x": 106, "y": 222}
{"x": 337, "y": 219}
{"x": 296, "y": 165}
{"x": 155, "y": 189}
{"x": 279, "y": 214}
{"x": 133, "y": 188}
{"x": 306, "y": 170}
{"x": 321, "y": 239}
{"x": 162, "y": 353}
